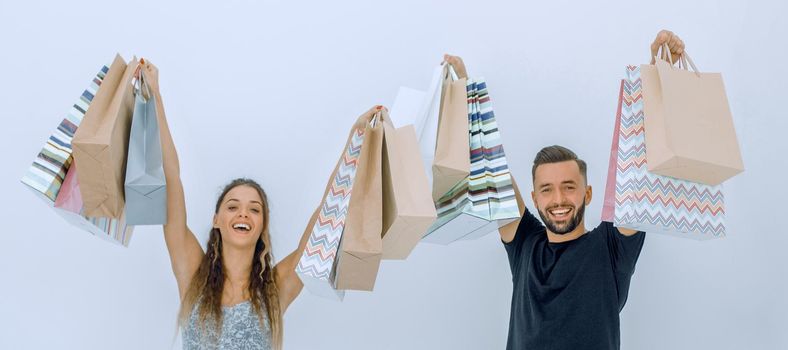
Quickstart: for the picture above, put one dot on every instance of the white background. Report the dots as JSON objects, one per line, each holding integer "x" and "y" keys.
{"x": 268, "y": 89}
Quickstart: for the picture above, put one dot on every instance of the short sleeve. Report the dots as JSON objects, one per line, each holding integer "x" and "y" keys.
{"x": 624, "y": 250}
{"x": 624, "y": 253}
{"x": 529, "y": 226}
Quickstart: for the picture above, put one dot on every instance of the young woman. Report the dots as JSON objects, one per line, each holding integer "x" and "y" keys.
{"x": 232, "y": 296}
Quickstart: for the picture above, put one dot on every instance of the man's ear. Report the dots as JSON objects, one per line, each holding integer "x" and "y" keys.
{"x": 533, "y": 198}
{"x": 589, "y": 194}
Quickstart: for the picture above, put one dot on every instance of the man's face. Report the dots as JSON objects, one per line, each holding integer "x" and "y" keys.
{"x": 560, "y": 196}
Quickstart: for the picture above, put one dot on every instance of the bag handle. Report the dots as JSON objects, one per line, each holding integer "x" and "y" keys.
{"x": 449, "y": 73}
{"x": 683, "y": 59}
{"x": 383, "y": 117}
{"x": 453, "y": 73}
{"x": 376, "y": 118}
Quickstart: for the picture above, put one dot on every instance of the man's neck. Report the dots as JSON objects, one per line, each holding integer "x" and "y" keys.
{"x": 569, "y": 236}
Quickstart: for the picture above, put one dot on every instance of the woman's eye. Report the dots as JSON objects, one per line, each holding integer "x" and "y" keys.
{"x": 231, "y": 208}
{"x": 256, "y": 210}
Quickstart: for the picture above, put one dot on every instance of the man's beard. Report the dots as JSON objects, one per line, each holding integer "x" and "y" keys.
{"x": 570, "y": 226}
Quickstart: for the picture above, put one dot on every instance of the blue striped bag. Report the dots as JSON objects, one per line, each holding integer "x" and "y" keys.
{"x": 486, "y": 199}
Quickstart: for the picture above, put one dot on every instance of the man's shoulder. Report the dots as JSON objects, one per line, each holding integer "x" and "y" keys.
{"x": 604, "y": 226}
{"x": 532, "y": 232}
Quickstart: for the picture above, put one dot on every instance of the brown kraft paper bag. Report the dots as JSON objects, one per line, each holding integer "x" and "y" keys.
{"x": 100, "y": 144}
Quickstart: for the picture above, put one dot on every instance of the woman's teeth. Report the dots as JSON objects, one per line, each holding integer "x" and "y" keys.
{"x": 242, "y": 227}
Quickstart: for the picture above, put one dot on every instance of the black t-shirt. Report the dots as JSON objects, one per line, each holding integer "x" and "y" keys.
{"x": 568, "y": 295}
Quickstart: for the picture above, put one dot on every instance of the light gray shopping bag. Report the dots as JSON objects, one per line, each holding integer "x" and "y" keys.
{"x": 146, "y": 188}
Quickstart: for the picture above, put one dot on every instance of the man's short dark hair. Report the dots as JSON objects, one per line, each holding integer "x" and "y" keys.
{"x": 557, "y": 154}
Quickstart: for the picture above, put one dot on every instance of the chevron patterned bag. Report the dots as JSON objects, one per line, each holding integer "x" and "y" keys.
{"x": 485, "y": 199}
{"x": 638, "y": 199}
{"x": 53, "y": 177}
{"x": 343, "y": 225}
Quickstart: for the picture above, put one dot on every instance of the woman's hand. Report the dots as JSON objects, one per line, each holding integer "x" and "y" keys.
{"x": 456, "y": 62}
{"x": 675, "y": 45}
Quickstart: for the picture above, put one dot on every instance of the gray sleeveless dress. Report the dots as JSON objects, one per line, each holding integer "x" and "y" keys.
{"x": 240, "y": 331}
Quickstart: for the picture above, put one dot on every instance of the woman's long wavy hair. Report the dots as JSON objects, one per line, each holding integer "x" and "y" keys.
{"x": 205, "y": 288}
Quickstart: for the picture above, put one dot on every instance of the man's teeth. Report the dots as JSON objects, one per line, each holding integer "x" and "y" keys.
{"x": 560, "y": 211}
{"x": 242, "y": 226}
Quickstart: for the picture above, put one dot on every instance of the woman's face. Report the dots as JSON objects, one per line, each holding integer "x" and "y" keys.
{"x": 240, "y": 217}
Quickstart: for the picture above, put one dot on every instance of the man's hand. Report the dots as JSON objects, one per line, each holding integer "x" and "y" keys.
{"x": 675, "y": 45}
{"x": 459, "y": 66}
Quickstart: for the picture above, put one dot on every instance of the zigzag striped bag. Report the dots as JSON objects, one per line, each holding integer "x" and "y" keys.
{"x": 485, "y": 199}
{"x": 638, "y": 199}
{"x": 52, "y": 176}
{"x": 345, "y": 247}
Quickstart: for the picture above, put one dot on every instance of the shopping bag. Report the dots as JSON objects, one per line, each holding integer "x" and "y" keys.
{"x": 361, "y": 247}
{"x": 53, "y": 178}
{"x": 145, "y": 185}
{"x": 638, "y": 199}
{"x": 422, "y": 109}
{"x": 689, "y": 127}
{"x": 408, "y": 210}
{"x": 100, "y": 144}
{"x": 69, "y": 205}
{"x": 451, "y": 165}
{"x": 485, "y": 199}
{"x": 317, "y": 266}
{"x": 439, "y": 116}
